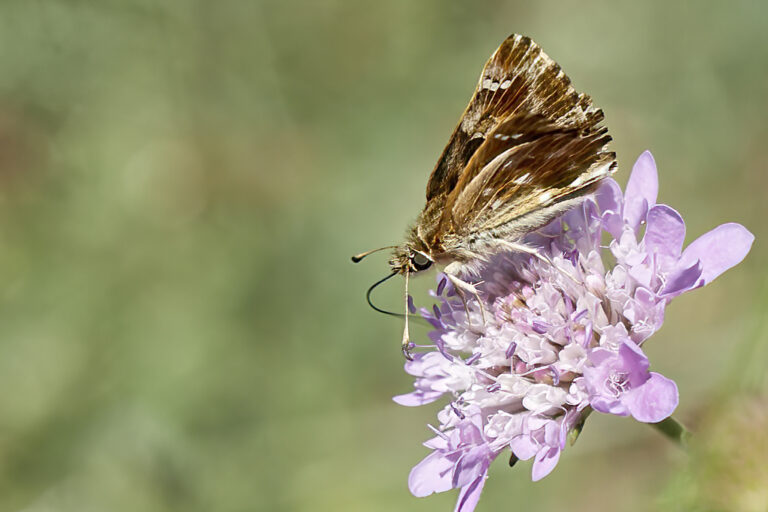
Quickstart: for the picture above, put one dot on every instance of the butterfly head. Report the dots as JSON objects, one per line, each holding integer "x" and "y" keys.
{"x": 407, "y": 258}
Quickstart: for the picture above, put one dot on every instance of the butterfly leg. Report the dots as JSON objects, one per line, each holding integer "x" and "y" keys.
{"x": 406, "y": 345}
{"x": 462, "y": 287}
{"x": 515, "y": 247}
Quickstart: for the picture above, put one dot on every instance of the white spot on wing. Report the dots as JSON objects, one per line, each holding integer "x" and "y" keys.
{"x": 522, "y": 180}
{"x": 505, "y": 84}
{"x": 579, "y": 180}
{"x": 545, "y": 196}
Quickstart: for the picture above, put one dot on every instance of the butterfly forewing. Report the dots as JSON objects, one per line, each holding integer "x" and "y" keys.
{"x": 526, "y": 141}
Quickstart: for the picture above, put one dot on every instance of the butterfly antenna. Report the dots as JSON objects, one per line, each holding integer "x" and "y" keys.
{"x": 358, "y": 257}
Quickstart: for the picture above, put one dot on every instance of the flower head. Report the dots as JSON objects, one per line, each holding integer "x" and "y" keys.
{"x": 560, "y": 337}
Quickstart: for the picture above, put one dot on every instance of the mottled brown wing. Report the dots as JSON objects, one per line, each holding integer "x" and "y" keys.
{"x": 526, "y": 141}
{"x": 518, "y": 81}
{"x": 532, "y": 177}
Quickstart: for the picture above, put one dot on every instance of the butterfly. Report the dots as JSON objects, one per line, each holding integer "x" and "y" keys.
{"x": 527, "y": 148}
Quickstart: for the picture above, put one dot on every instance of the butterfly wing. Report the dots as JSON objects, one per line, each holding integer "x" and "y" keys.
{"x": 526, "y": 142}
{"x": 519, "y": 78}
{"x": 530, "y": 181}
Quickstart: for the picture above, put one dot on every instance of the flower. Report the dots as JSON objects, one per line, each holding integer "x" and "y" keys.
{"x": 460, "y": 459}
{"x": 620, "y": 383}
{"x": 549, "y": 341}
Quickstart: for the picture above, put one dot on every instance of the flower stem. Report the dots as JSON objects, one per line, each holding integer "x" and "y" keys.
{"x": 674, "y": 431}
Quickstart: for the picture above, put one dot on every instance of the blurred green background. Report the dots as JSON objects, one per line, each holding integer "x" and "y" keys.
{"x": 182, "y": 184}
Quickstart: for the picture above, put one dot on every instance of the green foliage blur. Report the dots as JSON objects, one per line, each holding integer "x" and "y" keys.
{"x": 182, "y": 184}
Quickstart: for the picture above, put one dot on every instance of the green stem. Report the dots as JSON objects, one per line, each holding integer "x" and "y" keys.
{"x": 674, "y": 431}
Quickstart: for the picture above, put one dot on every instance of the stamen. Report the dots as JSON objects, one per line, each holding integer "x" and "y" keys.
{"x": 539, "y": 327}
{"x": 441, "y": 285}
{"x": 588, "y": 334}
{"x": 438, "y": 432}
{"x": 568, "y": 303}
{"x": 555, "y": 375}
{"x": 411, "y": 305}
{"x": 436, "y": 310}
{"x": 511, "y": 349}
{"x": 581, "y": 314}
{"x": 457, "y": 471}
{"x": 474, "y": 358}
{"x": 457, "y": 412}
{"x": 617, "y": 383}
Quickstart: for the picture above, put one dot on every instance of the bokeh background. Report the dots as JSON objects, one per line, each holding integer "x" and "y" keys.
{"x": 182, "y": 183}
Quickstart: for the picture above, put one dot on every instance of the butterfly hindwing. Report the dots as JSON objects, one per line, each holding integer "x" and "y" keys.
{"x": 530, "y": 177}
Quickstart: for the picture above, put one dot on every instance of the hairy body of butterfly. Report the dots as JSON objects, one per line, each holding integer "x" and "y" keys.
{"x": 527, "y": 148}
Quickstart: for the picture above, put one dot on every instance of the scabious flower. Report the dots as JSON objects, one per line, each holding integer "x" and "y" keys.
{"x": 554, "y": 340}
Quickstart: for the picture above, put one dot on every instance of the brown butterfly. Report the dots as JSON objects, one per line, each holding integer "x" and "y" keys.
{"x": 527, "y": 148}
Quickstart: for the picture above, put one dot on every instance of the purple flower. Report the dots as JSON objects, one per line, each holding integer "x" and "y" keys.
{"x": 620, "y": 383}
{"x": 542, "y": 440}
{"x": 559, "y": 338}
{"x": 460, "y": 459}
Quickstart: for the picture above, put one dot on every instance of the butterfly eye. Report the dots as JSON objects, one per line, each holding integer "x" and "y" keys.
{"x": 420, "y": 261}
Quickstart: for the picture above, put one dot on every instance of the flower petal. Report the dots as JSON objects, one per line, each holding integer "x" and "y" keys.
{"x": 417, "y": 398}
{"x": 608, "y": 406}
{"x": 545, "y": 462}
{"x": 664, "y": 235}
{"x": 655, "y": 400}
{"x": 470, "y": 495}
{"x": 470, "y": 465}
{"x": 641, "y": 191}
{"x": 719, "y": 249}
{"x": 682, "y": 280}
{"x": 432, "y": 474}
{"x": 608, "y": 196}
{"x": 633, "y": 362}
{"x": 523, "y": 447}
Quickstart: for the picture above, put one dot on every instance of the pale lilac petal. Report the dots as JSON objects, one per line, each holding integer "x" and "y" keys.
{"x": 599, "y": 356}
{"x": 545, "y": 462}
{"x": 719, "y": 249}
{"x": 552, "y": 434}
{"x": 440, "y": 442}
{"x": 420, "y": 363}
{"x": 433, "y": 474}
{"x": 634, "y": 362}
{"x": 654, "y": 401}
{"x": 613, "y": 223}
{"x": 523, "y": 447}
{"x": 664, "y": 235}
{"x": 471, "y": 465}
{"x": 608, "y": 196}
{"x": 683, "y": 280}
{"x": 609, "y": 406}
{"x": 470, "y": 495}
{"x": 644, "y": 275}
{"x": 642, "y": 189}
{"x": 417, "y": 398}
